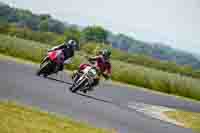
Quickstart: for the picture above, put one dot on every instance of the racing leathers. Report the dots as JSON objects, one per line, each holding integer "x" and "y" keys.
{"x": 68, "y": 51}
{"x": 104, "y": 66}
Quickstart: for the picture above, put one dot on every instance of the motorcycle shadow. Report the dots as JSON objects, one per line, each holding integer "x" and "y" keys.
{"x": 61, "y": 81}
{"x": 81, "y": 94}
{"x": 94, "y": 98}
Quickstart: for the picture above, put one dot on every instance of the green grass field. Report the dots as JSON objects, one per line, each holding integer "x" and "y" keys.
{"x": 20, "y": 119}
{"x": 123, "y": 72}
{"x": 189, "y": 119}
{"x": 156, "y": 80}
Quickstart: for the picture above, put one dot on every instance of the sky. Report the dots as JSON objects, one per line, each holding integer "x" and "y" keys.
{"x": 173, "y": 22}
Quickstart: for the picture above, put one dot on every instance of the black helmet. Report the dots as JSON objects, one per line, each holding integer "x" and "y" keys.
{"x": 106, "y": 53}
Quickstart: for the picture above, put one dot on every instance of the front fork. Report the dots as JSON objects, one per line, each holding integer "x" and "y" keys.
{"x": 44, "y": 60}
{"x": 84, "y": 83}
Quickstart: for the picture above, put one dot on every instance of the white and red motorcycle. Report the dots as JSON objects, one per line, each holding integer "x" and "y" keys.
{"x": 84, "y": 79}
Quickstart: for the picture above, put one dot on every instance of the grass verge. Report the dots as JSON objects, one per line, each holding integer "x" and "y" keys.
{"x": 189, "y": 119}
{"x": 122, "y": 72}
{"x": 20, "y": 119}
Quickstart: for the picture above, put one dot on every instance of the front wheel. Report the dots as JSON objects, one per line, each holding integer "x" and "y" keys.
{"x": 74, "y": 88}
{"x": 45, "y": 59}
{"x": 44, "y": 68}
{"x": 77, "y": 86}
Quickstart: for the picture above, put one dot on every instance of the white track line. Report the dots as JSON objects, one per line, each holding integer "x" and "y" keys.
{"x": 156, "y": 112}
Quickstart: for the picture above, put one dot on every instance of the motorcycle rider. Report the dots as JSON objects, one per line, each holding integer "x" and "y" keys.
{"x": 102, "y": 63}
{"x": 68, "y": 48}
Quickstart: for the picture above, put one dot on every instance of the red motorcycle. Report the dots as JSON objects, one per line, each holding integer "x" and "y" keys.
{"x": 51, "y": 63}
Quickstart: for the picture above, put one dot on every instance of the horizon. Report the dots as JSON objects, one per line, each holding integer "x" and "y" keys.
{"x": 177, "y": 39}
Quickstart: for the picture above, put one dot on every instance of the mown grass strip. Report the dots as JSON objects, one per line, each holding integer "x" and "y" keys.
{"x": 21, "y": 119}
{"x": 189, "y": 119}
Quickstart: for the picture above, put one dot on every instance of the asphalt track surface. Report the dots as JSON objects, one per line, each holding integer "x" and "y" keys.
{"x": 106, "y": 107}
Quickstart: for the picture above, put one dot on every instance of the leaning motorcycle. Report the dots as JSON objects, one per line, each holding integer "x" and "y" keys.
{"x": 84, "y": 79}
{"x": 50, "y": 64}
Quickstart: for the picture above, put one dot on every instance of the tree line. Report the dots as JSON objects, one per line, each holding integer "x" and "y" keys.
{"x": 43, "y": 28}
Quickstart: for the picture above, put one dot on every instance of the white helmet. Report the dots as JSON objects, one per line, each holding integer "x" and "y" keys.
{"x": 72, "y": 43}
